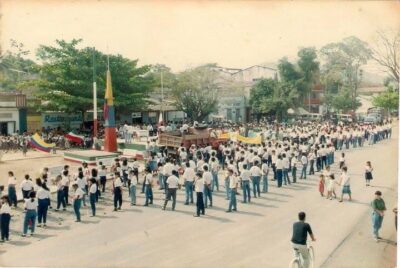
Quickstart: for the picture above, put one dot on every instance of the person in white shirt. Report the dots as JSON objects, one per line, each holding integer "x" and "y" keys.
{"x": 103, "y": 177}
{"x": 208, "y": 181}
{"x": 30, "y": 213}
{"x": 245, "y": 176}
{"x": 43, "y": 196}
{"x": 304, "y": 162}
{"x": 117, "y": 186}
{"x": 5, "y": 214}
{"x": 188, "y": 179}
{"x": 93, "y": 195}
{"x": 293, "y": 165}
{"x": 65, "y": 183}
{"x": 26, "y": 186}
{"x": 167, "y": 171}
{"x": 132, "y": 187}
{"x": 345, "y": 184}
{"x": 199, "y": 189}
{"x": 279, "y": 170}
{"x": 233, "y": 184}
{"x": 286, "y": 166}
{"x": 172, "y": 185}
{"x": 214, "y": 171}
{"x": 368, "y": 173}
{"x": 148, "y": 180}
{"x": 77, "y": 201}
{"x": 12, "y": 193}
{"x": 256, "y": 178}
{"x": 265, "y": 172}
{"x": 82, "y": 184}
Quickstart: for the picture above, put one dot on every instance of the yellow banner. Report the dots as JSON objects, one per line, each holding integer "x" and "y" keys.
{"x": 235, "y": 136}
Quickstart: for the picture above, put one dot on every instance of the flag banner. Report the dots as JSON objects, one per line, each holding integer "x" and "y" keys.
{"x": 74, "y": 138}
{"x": 39, "y": 144}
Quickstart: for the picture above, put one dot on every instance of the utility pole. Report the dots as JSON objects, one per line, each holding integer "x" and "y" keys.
{"x": 94, "y": 96}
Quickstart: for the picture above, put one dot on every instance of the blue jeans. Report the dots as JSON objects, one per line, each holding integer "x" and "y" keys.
{"x": 256, "y": 185}
{"x": 232, "y": 201}
{"x": 207, "y": 195}
{"x": 133, "y": 194}
{"x": 215, "y": 182}
{"x": 12, "y": 196}
{"x": 43, "y": 205}
{"x": 77, "y": 208}
{"x": 92, "y": 199}
{"x": 246, "y": 191}
{"x": 189, "y": 191}
{"x": 304, "y": 172}
{"x": 376, "y": 223}
{"x": 60, "y": 199}
{"x": 279, "y": 175}
{"x": 161, "y": 181}
{"x": 286, "y": 179}
{"x": 265, "y": 184}
{"x": 30, "y": 216}
{"x": 149, "y": 195}
{"x": 227, "y": 189}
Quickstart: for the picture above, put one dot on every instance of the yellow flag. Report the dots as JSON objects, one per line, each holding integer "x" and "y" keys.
{"x": 109, "y": 93}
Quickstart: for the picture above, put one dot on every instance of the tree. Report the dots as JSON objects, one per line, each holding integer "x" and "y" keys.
{"x": 344, "y": 102}
{"x": 309, "y": 68}
{"x": 195, "y": 92}
{"x": 386, "y": 52}
{"x": 66, "y": 77}
{"x": 388, "y": 100}
{"x": 343, "y": 60}
{"x": 287, "y": 71}
{"x": 271, "y": 96}
{"x": 15, "y": 68}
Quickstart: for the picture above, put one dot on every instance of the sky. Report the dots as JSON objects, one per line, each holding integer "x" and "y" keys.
{"x": 183, "y": 34}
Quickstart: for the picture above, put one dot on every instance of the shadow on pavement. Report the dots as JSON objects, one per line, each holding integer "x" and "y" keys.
{"x": 19, "y": 243}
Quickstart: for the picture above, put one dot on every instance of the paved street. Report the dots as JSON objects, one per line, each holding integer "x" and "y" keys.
{"x": 258, "y": 235}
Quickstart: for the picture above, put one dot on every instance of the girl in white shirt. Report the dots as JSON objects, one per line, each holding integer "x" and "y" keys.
{"x": 43, "y": 196}
{"x": 368, "y": 173}
{"x": 5, "y": 214}
{"x": 93, "y": 195}
{"x": 30, "y": 214}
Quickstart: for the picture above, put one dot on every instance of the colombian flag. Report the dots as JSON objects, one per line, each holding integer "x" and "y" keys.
{"x": 39, "y": 144}
{"x": 109, "y": 111}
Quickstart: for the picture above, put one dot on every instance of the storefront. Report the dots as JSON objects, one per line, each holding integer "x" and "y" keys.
{"x": 12, "y": 113}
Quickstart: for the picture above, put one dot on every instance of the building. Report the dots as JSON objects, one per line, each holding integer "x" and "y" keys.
{"x": 13, "y": 113}
{"x": 234, "y": 91}
{"x": 314, "y": 102}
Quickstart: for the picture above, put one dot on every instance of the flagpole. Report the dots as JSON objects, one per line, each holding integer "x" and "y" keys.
{"x": 95, "y": 122}
{"x": 162, "y": 97}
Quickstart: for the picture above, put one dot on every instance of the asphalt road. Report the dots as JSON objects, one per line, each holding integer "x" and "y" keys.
{"x": 258, "y": 235}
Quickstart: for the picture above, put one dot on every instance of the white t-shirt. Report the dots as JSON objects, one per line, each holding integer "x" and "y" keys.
{"x": 172, "y": 182}
{"x": 255, "y": 171}
{"x": 93, "y": 188}
{"x": 207, "y": 177}
{"x": 199, "y": 185}
{"x": 78, "y": 193}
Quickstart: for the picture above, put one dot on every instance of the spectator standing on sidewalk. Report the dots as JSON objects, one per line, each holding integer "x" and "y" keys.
{"x": 379, "y": 208}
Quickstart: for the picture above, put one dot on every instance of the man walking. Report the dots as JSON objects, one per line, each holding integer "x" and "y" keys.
{"x": 188, "y": 178}
{"x": 379, "y": 208}
{"x": 233, "y": 183}
{"x": 199, "y": 188}
{"x": 172, "y": 183}
{"x": 208, "y": 180}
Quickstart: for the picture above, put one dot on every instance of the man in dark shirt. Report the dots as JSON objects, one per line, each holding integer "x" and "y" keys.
{"x": 299, "y": 238}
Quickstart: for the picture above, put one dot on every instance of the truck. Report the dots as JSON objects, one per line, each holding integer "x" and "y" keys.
{"x": 198, "y": 136}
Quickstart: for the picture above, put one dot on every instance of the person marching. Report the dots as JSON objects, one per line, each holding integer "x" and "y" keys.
{"x": 43, "y": 196}
{"x": 12, "y": 193}
{"x": 132, "y": 188}
{"x": 233, "y": 184}
{"x": 188, "y": 178}
{"x": 199, "y": 188}
{"x": 30, "y": 214}
{"x": 5, "y": 216}
{"x": 26, "y": 186}
{"x": 245, "y": 178}
{"x": 345, "y": 183}
{"x": 321, "y": 186}
{"x": 265, "y": 171}
{"x": 60, "y": 194}
{"x": 208, "y": 181}
{"x": 148, "y": 180}
{"x": 93, "y": 195}
{"x": 172, "y": 186}
{"x": 368, "y": 173}
{"x": 256, "y": 177}
{"x": 117, "y": 186}
{"x": 214, "y": 170}
{"x": 77, "y": 201}
{"x": 341, "y": 161}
